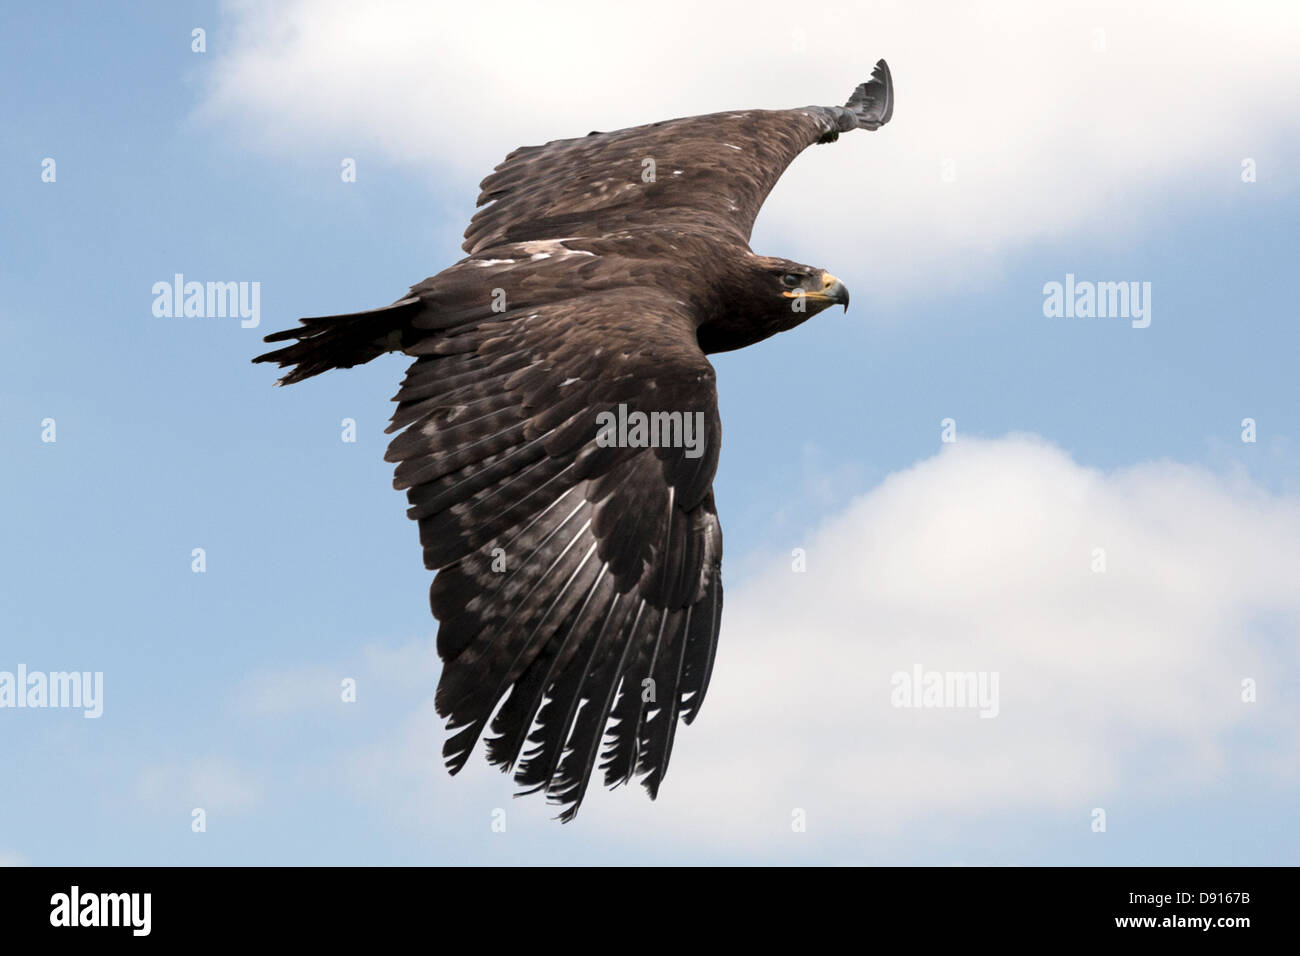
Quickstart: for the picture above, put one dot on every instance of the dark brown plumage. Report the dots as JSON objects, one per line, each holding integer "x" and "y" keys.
{"x": 580, "y": 580}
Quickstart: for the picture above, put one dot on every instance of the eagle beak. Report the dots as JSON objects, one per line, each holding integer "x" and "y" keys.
{"x": 833, "y": 289}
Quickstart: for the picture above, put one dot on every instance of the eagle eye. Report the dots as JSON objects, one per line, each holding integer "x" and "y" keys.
{"x": 791, "y": 279}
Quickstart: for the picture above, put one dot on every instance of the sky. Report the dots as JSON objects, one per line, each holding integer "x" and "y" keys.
{"x": 1095, "y": 517}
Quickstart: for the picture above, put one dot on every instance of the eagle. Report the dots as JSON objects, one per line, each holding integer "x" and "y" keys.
{"x": 557, "y": 433}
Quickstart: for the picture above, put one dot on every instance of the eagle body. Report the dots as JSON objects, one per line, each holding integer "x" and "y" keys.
{"x": 578, "y": 579}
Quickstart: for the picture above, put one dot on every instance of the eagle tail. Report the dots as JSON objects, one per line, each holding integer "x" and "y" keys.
{"x": 340, "y": 341}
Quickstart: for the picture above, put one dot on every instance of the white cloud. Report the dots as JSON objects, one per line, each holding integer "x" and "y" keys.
{"x": 1116, "y": 688}
{"x": 12, "y": 859}
{"x": 1119, "y": 689}
{"x": 1049, "y": 138}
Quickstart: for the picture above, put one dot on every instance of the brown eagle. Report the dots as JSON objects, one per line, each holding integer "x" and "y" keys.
{"x": 559, "y": 428}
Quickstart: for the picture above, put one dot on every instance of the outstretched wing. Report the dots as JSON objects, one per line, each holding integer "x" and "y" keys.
{"x": 577, "y": 578}
{"x": 715, "y": 170}
{"x": 578, "y": 583}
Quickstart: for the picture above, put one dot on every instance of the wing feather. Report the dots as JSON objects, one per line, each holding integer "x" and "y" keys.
{"x": 567, "y": 571}
{"x": 713, "y": 170}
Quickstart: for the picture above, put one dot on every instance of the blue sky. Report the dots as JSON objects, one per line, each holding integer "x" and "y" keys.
{"x": 221, "y": 688}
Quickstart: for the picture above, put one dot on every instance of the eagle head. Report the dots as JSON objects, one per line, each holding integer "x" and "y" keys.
{"x": 817, "y": 288}
{"x": 773, "y": 295}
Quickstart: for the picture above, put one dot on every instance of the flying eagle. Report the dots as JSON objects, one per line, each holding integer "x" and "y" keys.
{"x": 545, "y": 428}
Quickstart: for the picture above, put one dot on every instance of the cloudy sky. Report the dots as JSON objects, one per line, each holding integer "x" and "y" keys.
{"x": 945, "y": 480}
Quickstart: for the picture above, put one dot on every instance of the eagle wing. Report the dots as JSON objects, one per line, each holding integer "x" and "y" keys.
{"x": 713, "y": 170}
{"x": 583, "y": 580}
